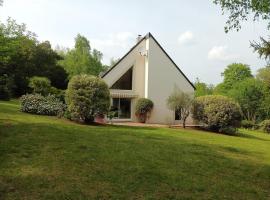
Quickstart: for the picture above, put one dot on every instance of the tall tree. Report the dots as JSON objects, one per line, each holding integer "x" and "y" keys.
{"x": 234, "y": 73}
{"x": 202, "y": 88}
{"x": 81, "y": 60}
{"x": 250, "y": 94}
{"x": 23, "y": 56}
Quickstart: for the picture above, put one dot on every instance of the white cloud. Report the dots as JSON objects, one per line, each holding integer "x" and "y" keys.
{"x": 221, "y": 53}
{"x": 186, "y": 38}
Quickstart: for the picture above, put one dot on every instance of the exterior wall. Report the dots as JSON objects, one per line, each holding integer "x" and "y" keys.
{"x": 163, "y": 76}
{"x": 138, "y": 62}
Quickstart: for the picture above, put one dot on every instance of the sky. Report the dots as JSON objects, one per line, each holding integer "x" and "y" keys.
{"x": 191, "y": 31}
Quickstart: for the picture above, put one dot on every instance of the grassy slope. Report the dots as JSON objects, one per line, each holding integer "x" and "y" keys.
{"x": 48, "y": 158}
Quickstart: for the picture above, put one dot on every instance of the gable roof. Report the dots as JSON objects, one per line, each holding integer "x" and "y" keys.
{"x": 148, "y": 35}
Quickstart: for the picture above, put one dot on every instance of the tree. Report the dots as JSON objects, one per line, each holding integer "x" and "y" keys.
{"x": 240, "y": 10}
{"x": 81, "y": 60}
{"x": 87, "y": 96}
{"x": 202, "y": 88}
{"x": 264, "y": 75}
{"x": 250, "y": 94}
{"x": 263, "y": 48}
{"x": 233, "y": 74}
{"x": 181, "y": 103}
{"x": 23, "y": 56}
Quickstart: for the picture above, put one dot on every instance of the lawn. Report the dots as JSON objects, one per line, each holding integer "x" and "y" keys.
{"x": 49, "y": 158}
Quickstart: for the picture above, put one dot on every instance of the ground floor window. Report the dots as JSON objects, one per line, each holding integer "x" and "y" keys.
{"x": 177, "y": 114}
{"x": 122, "y": 108}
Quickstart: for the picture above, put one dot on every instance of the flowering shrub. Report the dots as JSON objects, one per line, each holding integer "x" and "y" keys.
{"x": 37, "y": 104}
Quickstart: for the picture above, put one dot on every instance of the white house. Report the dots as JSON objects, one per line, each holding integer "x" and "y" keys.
{"x": 146, "y": 71}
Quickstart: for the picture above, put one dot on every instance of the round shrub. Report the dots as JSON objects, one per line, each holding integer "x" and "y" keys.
{"x": 143, "y": 108}
{"x": 87, "y": 96}
{"x": 38, "y": 104}
{"x": 265, "y": 126}
{"x": 217, "y": 113}
{"x": 40, "y": 85}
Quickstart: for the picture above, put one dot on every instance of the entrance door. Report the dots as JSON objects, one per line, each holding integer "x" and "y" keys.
{"x": 122, "y": 107}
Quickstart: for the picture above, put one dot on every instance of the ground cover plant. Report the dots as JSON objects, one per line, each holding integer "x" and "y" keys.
{"x": 43, "y": 157}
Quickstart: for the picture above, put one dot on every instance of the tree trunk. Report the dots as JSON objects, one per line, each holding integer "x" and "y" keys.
{"x": 184, "y": 123}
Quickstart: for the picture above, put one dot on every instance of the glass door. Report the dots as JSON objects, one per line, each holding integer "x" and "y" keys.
{"x": 122, "y": 108}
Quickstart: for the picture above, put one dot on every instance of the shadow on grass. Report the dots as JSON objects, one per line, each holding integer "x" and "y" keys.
{"x": 101, "y": 165}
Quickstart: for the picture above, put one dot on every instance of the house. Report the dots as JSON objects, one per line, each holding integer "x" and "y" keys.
{"x": 146, "y": 71}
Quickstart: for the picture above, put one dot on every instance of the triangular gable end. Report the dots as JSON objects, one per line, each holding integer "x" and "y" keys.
{"x": 175, "y": 65}
{"x": 124, "y": 82}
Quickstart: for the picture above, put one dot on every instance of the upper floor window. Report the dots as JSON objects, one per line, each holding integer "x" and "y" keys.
{"x": 124, "y": 82}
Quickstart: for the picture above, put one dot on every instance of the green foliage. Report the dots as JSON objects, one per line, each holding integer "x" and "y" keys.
{"x": 5, "y": 92}
{"x": 263, "y": 48}
{"x": 143, "y": 109}
{"x": 86, "y": 97}
{"x": 240, "y": 10}
{"x": 58, "y": 93}
{"x": 38, "y": 104}
{"x": 40, "y": 85}
{"x": 234, "y": 73}
{"x": 22, "y": 56}
{"x": 180, "y": 102}
{"x": 202, "y": 88}
{"x": 217, "y": 113}
{"x": 250, "y": 94}
{"x": 248, "y": 124}
{"x": 81, "y": 60}
{"x": 264, "y": 75}
{"x": 265, "y": 126}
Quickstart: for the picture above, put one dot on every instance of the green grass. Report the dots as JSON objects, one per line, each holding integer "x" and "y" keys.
{"x": 49, "y": 158}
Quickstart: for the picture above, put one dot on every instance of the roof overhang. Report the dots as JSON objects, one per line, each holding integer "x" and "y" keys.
{"x": 123, "y": 94}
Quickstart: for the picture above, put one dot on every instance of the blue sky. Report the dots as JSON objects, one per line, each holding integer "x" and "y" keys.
{"x": 191, "y": 31}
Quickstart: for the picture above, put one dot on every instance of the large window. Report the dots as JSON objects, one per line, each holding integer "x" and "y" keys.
{"x": 125, "y": 82}
{"x": 121, "y": 107}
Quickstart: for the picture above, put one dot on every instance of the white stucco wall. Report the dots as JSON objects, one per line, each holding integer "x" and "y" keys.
{"x": 163, "y": 76}
{"x": 138, "y": 62}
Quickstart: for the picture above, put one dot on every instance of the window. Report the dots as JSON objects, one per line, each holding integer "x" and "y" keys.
{"x": 177, "y": 114}
{"x": 121, "y": 107}
{"x": 125, "y": 82}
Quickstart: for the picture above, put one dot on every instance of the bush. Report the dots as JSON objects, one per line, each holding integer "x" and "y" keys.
{"x": 58, "y": 93}
{"x": 38, "y": 104}
{"x": 143, "y": 108}
{"x": 265, "y": 126}
{"x": 86, "y": 97}
{"x": 248, "y": 124}
{"x": 40, "y": 85}
{"x": 217, "y": 113}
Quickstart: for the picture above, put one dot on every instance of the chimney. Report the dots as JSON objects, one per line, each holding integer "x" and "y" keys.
{"x": 139, "y": 38}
